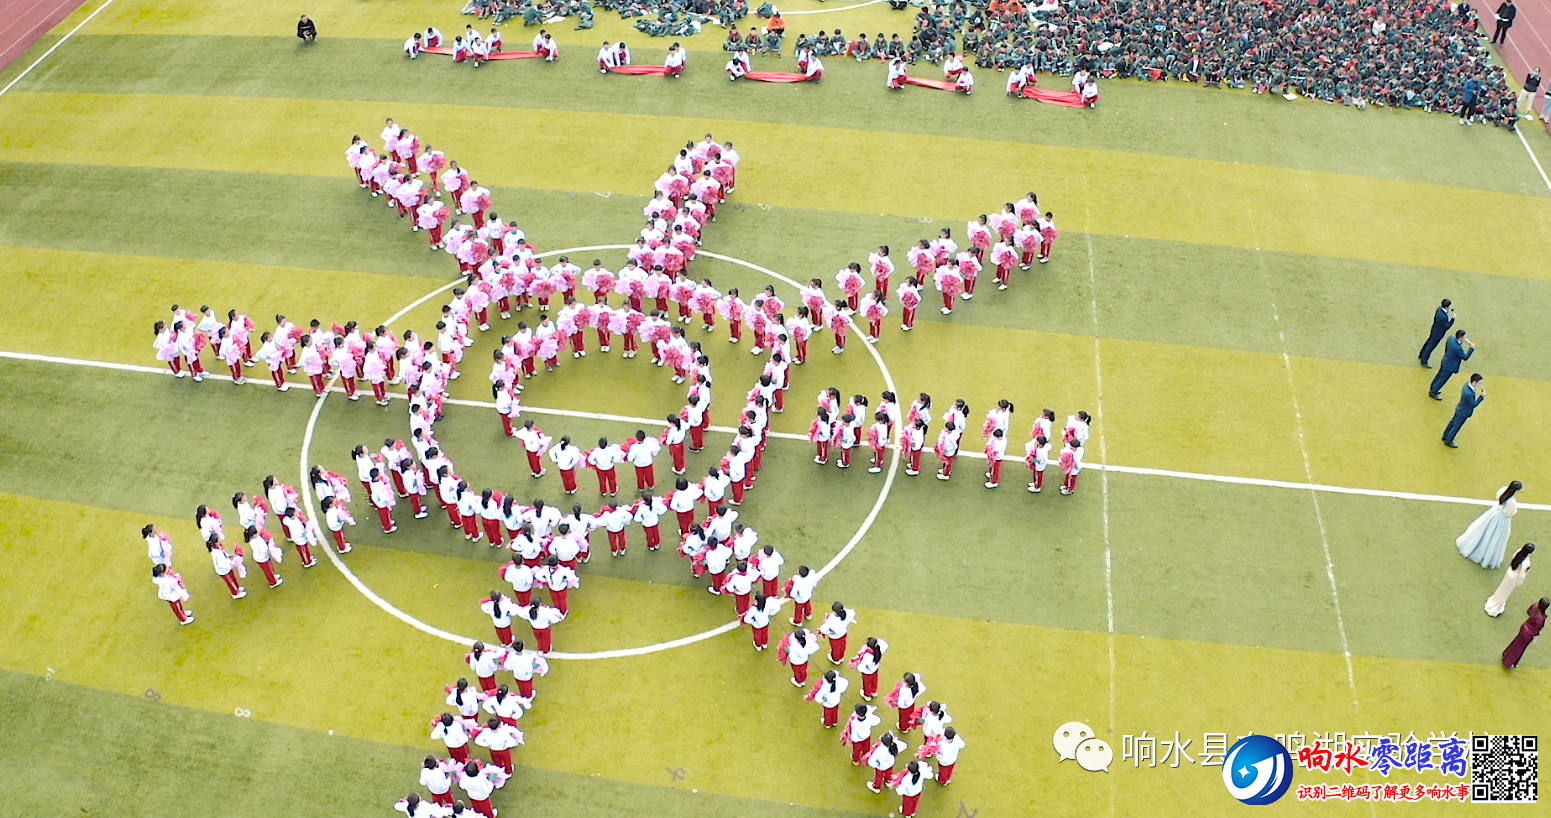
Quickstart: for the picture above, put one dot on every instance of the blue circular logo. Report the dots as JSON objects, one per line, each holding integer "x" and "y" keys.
{"x": 1257, "y": 770}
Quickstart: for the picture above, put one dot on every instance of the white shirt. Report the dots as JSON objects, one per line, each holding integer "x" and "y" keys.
{"x": 641, "y": 452}
{"x": 837, "y": 625}
{"x": 798, "y": 653}
{"x": 566, "y": 457}
{"x": 830, "y": 697}
{"x": 802, "y": 587}
{"x": 770, "y": 564}
{"x": 760, "y": 617}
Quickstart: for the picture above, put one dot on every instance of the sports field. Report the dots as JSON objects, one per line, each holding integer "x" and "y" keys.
{"x": 1237, "y": 296}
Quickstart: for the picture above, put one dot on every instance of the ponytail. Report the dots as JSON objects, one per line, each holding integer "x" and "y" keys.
{"x": 1512, "y": 489}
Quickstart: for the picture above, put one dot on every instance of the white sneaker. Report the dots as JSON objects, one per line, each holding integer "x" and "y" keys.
{"x": 947, "y": 311}
{"x": 874, "y": 470}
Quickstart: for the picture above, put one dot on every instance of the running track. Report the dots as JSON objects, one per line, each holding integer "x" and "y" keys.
{"x": 23, "y": 22}
{"x": 1529, "y": 41}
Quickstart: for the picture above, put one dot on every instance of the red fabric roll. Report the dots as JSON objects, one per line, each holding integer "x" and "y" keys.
{"x": 649, "y": 70}
{"x": 946, "y": 85}
{"x": 777, "y": 76}
{"x": 1068, "y": 98}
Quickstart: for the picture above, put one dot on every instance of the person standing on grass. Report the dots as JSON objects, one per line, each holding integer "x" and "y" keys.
{"x": 794, "y": 649}
{"x": 170, "y": 589}
{"x": 1470, "y": 101}
{"x": 1443, "y": 321}
{"x": 1486, "y": 540}
{"x": 1071, "y": 465}
{"x": 836, "y": 626}
{"x": 1528, "y": 633}
{"x": 1518, "y": 569}
{"x": 947, "y": 755}
{"x": 226, "y": 567}
{"x": 903, "y": 698}
{"x": 881, "y": 759}
{"x": 1505, "y": 15}
{"x": 434, "y": 777}
{"x": 827, "y": 692}
{"x": 857, "y": 733}
{"x": 1455, "y": 353}
{"x": 1526, "y": 103}
{"x": 306, "y": 31}
{"x": 1470, "y": 396}
{"x": 908, "y": 784}
{"x": 262, "y": 546}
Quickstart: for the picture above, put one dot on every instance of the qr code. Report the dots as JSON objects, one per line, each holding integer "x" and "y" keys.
{"x": 1504, "y": 769}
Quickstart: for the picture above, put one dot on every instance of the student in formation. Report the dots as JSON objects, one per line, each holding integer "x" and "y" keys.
{"x": 827, "y": 692}
{"x": 869, "y": 660}
{"x": 434, "y": 777}
{"x": 878, "y": 440}
{"x": 947, "y": 754}
{"x": 542, "y": 618}
{"x": 336, "y": 515}
{"x": 820, "y": 431}
{"x": 484, "y": 662}
{"x": 499, "y": 738}
{"x": 566, "y": 458}
{"x": 835, "y": 627}
{"x": 758, "y": 616}
{"x": 947, "y": 448}
{"x": 903, "y": 698}
{"x": 674, "y": 62}
{"x": 170, "y": 589}
{"x": 1037, "y": 457}
{"x": 261, "y": 546}
{"x": 794, "y": 649}
{"x": 500, "y": 609}
{"x": 908, "y": 784}
{"x": 874, "y": 307}
{"x": 1071, "y": 465}
{"x": 881, "y": 759}
{"x": 648, "y": 511}
{"x": 452, "y": 733}
{"x": 478, "y": 783}
{"x": 524, "y": 665}
{"x": 858, "y": 732}
{"x": 383, "y": 499}
{"x": 603, "y": 459}
{"x": 640, "y": 452}
{"x": 534, "y": 442}
{"x": 799, "y": 589}
{"x": 996, "y": 450}
{"x": 299, "y": 530}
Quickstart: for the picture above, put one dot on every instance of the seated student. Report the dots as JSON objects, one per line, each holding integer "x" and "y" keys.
{"x": 860, "y": 49}
{"x": 412, "y": 46}
{"x": 738, "y": 66}
{"x": 879, "y": 44}
{"x": 837, "y": 44}
{"x": 734, "y": 42}
{"x": 777, "y": 25}
{"x": 965, "y": 83}
{"x": 752, "y": 41}
{"x": 773, "y": 43}
{"x": 306, "y": 30}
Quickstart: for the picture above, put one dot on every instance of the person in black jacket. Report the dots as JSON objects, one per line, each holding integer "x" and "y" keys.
{"x": 305, "y": 30}
{"x": 1505, "y": 14}
{"x": 1527, "y": 94}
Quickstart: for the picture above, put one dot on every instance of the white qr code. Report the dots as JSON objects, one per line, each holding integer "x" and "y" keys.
{"x": 1504, "y": 769}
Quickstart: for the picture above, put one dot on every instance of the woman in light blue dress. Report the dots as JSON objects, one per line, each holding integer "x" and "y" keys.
{"x": 1486, "y": 540}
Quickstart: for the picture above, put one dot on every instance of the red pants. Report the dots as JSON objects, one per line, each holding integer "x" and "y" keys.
{"x": 907, "y": 718}
{"x": 1071, "y": 482}
{"x": 780, "y": 400}
{"x": 969, "y": 284}
{"x": 317, "y": 383}
{"x": 506, "y": 427}
{"x": 686, "y": 519}
{"x": 1004, "y": 273}
{"x": 177, "y": 609}
{"x": 1044, "y": 247}
{"x": 379, "y": 390}
{"x": 534, "y": 464}
{"x": 801, "y": 611}
{"x": 471, "y": 526}
{"x": 176, "y": 365}
{"x": 740, "y": 603}
{"x": 995, "y": 473}
{"x": 845, "y": 455}
{"x": 840, "y": 340}
{"x": 504, "y": 633}
{"x": 493, "y": 530}
{"x": 947, "y": 466}
{"x": 279, "y": 376}
{"x": 479, "y": 219}
{"x": 708, "y": 318}
{"x": 386, "y": 516}
{"x": 1039, "y": 478}
{"x": 880, "y": 778}
{"x": 339, "y": 541}
{"x": 231, "y": 582}
{"x": 306, "y": 552}
{"x": 915, "y": 460}
{"x": 236, "y": 370}
{"x": 578, "y": 342}
{"x": 459, "y": 754}
{"x": 452, "y": 515}
{"x": 560, "y": 599}
{"x": 608, "y": 481}
{"x": 617, "y": 542}
{"x": 631, "y": 344}
{"x": 877, "y": 457}
{"x": 800, "y": 673}
{"x": 737, "y": 330}
{"x": 568, "y": 479}
{"x": 484, "y": 808}
{"x": 802, "y": 350}
{"x": 653, "y": 538}
{"x": 718, "y": 578}
{"x": 646, "y": 477}
{"x": 859, "y": 750}
{"x": 269, "y": 573}
{"x": 772, "y": 586}
{"x": 524, "y": 598}
{"x": 546, "y": 640}
{"x": 821, "y": 449}
{"x": 349, "y": 387}
{"x": 945, "y": 774}
{"x": 525, "y": 686}
{"x": 442, "y": 798}
{"x": 947, "y": 301}
{"x": 1027, "y": 259}
{"x": 907, "y": 806}
{"x": 837, "y": 649}
{"x": 675, "y": 71}
{"x": 502, "y": 759}
{"x": 869, "y": 685}
{"x": 487, "y": 684}
{"x": 831, "y": 716}
{"x": 676, "y": 451}
{"x": 696, "y": 438}
{"x": 436, "y": 234}
{"x": 603, "y": 339}
{"x": 761, "y": 635}
{"x": 737, "y": 492}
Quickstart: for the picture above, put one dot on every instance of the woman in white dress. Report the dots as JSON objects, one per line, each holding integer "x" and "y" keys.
{"x": 1486, "y": 540}
{"x": 1518, "y": 569}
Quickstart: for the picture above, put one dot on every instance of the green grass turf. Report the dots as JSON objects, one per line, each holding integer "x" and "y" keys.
{"x": 156, "y": 159}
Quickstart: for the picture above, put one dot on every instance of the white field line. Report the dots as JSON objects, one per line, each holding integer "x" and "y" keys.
{"x": 837, "y": 8}
{"x": 262, "y": 381}
{"x": 1098, "y": 409}
{"x": 55, "y": 47}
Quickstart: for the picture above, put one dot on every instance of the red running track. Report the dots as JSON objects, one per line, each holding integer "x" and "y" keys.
{"x": 1529, "y": 41}
{"x": 22, "y": 22}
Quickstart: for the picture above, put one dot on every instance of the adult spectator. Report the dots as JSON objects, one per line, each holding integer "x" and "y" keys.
{"x": 1526, "y": 101}
{"x": 305, "y": 30}
{"x": 1470, "y": 101}
{"x": 1505, "y": 14}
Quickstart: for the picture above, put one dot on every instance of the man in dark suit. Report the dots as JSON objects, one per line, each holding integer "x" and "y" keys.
{"x": 1443, "y": 319}
{"x": 1505, "y": 15}
{"x": 1469, "y": 398}
{"x": 1457, "y": 351}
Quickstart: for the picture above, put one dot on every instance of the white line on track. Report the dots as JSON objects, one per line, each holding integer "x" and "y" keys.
{"x": 1533, "y": 157}
{"x": 1308, "y": 472}
{"x": 1098, "y": 409}
{"x": 54, "y": 48}
{"x": 1142, "y": 471}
